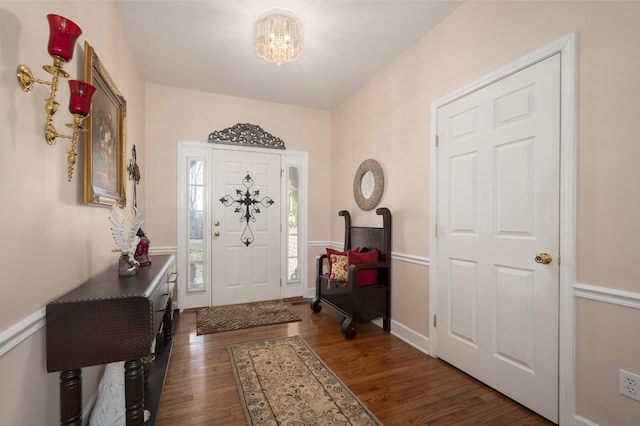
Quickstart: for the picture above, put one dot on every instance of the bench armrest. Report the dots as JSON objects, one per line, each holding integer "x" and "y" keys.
{"x": 320, "y": 264}
{"x": 353, "y": 271}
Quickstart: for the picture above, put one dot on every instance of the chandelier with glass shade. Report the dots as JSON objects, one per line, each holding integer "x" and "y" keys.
{"x": 277, "y": 36}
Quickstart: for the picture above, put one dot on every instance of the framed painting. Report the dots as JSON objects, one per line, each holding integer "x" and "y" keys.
{"x": 104, "y": 139}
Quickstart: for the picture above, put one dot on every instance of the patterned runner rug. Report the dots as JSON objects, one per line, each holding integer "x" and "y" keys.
{"x": 245, "y": 315}
{"x": 283, "y": 382}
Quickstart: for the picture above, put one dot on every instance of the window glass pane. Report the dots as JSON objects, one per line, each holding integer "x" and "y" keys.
{"x": 196, "y": 225}
{"x": 293, "y": 183}
{"x": 196, "y": 172}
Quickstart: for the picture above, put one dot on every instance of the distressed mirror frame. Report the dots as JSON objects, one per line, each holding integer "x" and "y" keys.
{"x": 371, "y": 202}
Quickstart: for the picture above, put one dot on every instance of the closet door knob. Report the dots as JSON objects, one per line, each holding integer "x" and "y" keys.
{"x": 543, "y": 258}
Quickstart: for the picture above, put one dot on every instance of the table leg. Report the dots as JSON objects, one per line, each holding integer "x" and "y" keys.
{"x": 134, "y": 392}
{"x": 167, "y": 320}
{"x": 71, "y": 397}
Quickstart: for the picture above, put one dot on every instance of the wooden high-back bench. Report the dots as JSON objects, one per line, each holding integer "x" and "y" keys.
{"x": 357, "y": 302}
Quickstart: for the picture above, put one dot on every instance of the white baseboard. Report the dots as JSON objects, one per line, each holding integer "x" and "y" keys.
{"x": 310, "y": 293}
{"x": 88, "y": 408}
{"x": 407, "y": 335}
{"x": 410, "y": 336}
{"x": 581, "y": 421}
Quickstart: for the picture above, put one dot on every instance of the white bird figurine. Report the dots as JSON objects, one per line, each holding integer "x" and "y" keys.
{"x": 126, "y": 237}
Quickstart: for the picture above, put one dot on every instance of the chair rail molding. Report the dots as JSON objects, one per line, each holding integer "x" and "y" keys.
{"x": 324, "y": 244}
{"x": 20, "y": 331}
{"x": 30, "y": 324}
{"x": 400, "y": 257}
{"x": 614, "y": 296}
{"x": 409, "y": 258}
{"x": 164, "y": 250}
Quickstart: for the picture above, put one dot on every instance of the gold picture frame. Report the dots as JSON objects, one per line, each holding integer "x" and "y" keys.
{"x": 104, "y": 139}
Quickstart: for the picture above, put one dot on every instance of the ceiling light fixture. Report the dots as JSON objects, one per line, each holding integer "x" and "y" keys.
{"x": 277, "y": 36}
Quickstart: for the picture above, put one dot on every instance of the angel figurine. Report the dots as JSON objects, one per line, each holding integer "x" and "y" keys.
{"x": 125, "y": 235}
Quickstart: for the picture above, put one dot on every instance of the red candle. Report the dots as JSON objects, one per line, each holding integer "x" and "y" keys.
{"x": 81, "y": 94}
{"x": 63, "y": 34}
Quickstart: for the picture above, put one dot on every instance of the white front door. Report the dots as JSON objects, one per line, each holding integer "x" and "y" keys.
{"x": 498, "y": 165}
{"x": 246, "y": 210}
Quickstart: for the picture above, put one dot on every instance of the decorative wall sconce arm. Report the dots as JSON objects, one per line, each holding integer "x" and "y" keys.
{"x": 63, "y": 34}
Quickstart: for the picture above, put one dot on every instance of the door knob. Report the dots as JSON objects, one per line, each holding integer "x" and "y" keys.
{"x": 216, "y": 234}
{"x": 216, "y": 223}
{"x": 543, "y": 258}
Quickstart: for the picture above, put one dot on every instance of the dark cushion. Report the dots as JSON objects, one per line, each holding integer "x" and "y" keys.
{"x": 368, "y": 276}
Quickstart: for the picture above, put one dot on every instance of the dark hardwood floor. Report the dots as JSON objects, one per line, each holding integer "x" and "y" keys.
{"x": 398, "y": 383}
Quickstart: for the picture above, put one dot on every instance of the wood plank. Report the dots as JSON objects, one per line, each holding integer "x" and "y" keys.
{"x": 397, "y": 382}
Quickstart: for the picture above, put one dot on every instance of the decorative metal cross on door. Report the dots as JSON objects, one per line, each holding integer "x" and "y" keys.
{"x": 248, "y": 205}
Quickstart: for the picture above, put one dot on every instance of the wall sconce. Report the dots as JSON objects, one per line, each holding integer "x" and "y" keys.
{"x": 63, "y": 34}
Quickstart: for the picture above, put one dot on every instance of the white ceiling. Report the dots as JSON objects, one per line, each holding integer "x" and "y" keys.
{"x": 207, "y": 45}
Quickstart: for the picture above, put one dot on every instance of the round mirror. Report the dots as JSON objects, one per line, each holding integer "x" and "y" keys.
{"x": 368, "y": 184}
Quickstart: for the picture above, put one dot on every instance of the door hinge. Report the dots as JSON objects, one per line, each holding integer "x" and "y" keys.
{"x": 435, "y": 230}
{"x": 281, "y": 173}
{"x": 280, "y": 282}
{"x": 435, "y": 321}
{"x": 437, "y": 140}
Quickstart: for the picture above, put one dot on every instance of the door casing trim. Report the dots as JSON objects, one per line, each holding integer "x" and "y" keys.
{"x": 567, "y": 49}
{"x": 287, "y": 157}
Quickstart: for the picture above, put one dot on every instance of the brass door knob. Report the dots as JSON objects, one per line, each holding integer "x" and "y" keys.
{"x": 216, "y": 234}
{"x": 543, "y": 258}
{"x": 216, "y": 223}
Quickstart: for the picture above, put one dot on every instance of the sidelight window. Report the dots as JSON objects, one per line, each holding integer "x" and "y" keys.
{"x": 195, "y": 200}
{"x": 293, "y": 224}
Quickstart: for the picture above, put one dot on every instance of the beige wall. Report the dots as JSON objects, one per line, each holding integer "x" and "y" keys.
{"x": 51, "y": 241}
{"x": 389, "y": 120}
{"x": 177, "y": 114}
{"x": 608, "y": 340}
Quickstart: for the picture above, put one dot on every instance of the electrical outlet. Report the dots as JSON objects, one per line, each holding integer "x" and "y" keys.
{"x": 630, "y": 385}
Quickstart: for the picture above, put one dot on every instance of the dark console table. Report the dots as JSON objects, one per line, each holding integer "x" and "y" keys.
{"x": 107, "y": 319}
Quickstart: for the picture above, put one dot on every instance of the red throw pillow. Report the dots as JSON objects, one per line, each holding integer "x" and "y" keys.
{"x": 367, "y": 276}
{"x": 330, "y": 259}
